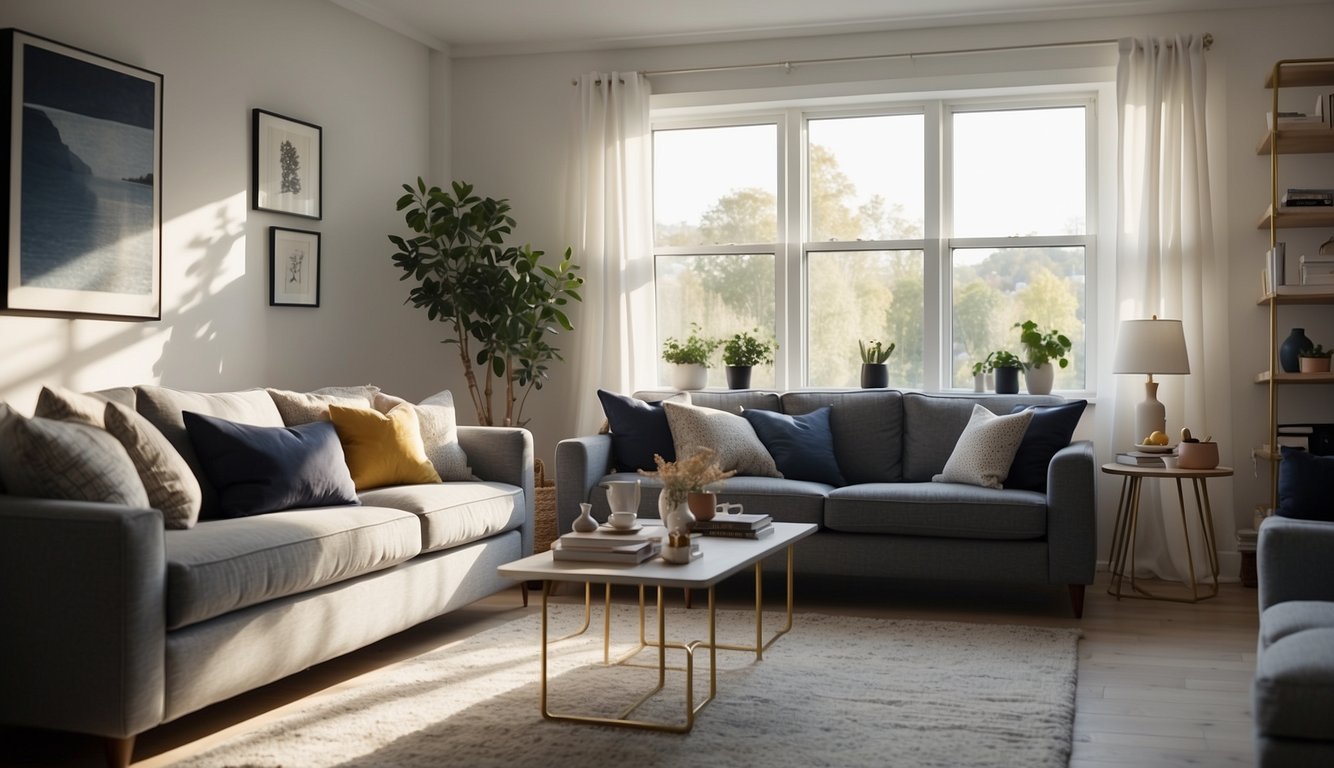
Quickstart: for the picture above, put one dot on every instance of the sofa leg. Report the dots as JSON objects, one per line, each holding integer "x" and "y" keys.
{"x": 119, "y": 751}
{"x": 1077, "y": 600}
{"x": 523, "y": 590}
{"x": 687, "y": 591}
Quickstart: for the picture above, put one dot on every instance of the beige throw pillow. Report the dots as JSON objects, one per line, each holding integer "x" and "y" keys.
{"x": 64, "y": 405}
{"x": 304, "y": 407}
{"x": 168, "y": 481}
{"x": 731, "y": 436}
{"x": 986, "y": 448}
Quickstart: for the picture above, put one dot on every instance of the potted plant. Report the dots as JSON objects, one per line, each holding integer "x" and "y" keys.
{"x": 691, "y": 358}
{"x": 1006, "y": 366}
{"x": 875, "y": 374}
{"x": 743, "y": 352}
{"x": 1041, "y": 349}
{"x": 1315, "y": 359}
{"x": 502, "y": 302}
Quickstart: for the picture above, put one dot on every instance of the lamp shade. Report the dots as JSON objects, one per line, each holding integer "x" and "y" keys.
{"x": 1151, "y": 346}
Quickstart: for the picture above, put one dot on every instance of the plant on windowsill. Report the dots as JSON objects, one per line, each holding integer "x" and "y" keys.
{"x": 691, "y": 358}
{"x": 1042, "y": 349}
{"x": 743, "y": 352}
{"x": 1315, "y": 359}
{"x": 1006, "y": 365}
{"x": 875, "y": 373}
{"x": 502, "y": 302}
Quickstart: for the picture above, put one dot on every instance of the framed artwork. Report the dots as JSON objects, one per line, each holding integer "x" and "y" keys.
{"x": 84, "y": 175}
{"x": 286, "y": 168}
{"x": 294, "y": 268}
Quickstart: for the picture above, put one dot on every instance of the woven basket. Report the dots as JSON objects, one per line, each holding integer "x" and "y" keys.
{"x": 544, "y": 508}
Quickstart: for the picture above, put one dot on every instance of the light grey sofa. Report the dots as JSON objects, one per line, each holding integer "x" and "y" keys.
{"x": 113, "y": 625}
{"x": 890, "y": 520}
{"x": 1294, "y": 667}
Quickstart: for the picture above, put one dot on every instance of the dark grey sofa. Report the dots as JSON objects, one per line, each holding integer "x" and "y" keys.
{"x": 1294, "y": 666}
{"x": 113, "y": 625}
{"x": 890, "y": 520}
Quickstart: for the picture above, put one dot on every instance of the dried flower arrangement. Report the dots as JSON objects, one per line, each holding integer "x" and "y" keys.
{"x": 683, "y": 476}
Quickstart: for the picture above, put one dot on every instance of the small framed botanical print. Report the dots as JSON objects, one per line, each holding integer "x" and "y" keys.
{"x": 294, "y": 268}
{"x": 286, "y": 172}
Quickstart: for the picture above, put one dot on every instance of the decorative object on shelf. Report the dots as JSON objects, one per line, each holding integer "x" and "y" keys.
{"x": 503, "y": 303}
{"x": 690, "y": 358}
{"x": 875, "y": 373}
{"x": 1043, "y": 351}
{"x": 1315, "y": 359}
{"x": 84, "y": 155}
{"x": 1289, "y": 352}
{"x": 294, "y": 268}
{"x": 584, "y": 523}
{"x": 1005, "y": 366}
{"x": 1149, "y": 347}
{"x": 743, "y": 352}
{"x": 285, "y": 168}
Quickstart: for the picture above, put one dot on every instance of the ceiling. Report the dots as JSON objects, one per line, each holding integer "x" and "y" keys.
{"x": 489, "y": 27}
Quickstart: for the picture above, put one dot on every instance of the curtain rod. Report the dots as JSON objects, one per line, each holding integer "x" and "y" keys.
{"x": 787, "y": 65}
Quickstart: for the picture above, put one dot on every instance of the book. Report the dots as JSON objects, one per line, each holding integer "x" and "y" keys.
{"x": 732, "y": 533}
{"x": 614, "y": 541}
{"x": 1140, "y": 459}
{"x": 646, "y": 552}
{"x": 743, "y": 522}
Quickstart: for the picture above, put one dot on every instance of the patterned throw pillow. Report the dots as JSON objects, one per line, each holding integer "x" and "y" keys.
{"x": 63, "y": 405}
{"x": 172, "y": 487}
{"x": 440, "y": 436}
{"x": 733, "y": 437}
{"x": 73, "y": 461}
{"x": 985, "y": 449}
{"x": 305, "y": 407}
{"x": 383, "y": 448}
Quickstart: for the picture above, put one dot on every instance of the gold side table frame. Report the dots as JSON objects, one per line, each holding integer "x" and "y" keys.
{"x": 1121, "y": 560}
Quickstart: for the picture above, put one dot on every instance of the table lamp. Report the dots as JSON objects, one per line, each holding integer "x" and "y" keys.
{"x": 1151, "y": 346}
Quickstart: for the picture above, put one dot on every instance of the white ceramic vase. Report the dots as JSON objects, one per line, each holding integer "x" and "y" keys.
{"x": 1039, "y": 378}
{"x": 690, "y": 376}
{"x": 585, "y": 523}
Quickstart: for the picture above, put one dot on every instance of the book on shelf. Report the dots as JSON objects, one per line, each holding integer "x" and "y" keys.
{"x": 1296, "y": 429}
{"x": 738, "y": 522}
{"x": 740, "y": 533}
{"x": 1140, "y": 459}
{"x": 647, "y": 550}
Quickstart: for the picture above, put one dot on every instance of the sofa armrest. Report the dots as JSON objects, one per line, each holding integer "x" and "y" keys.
{"x": 1295, "y": 560}
{"x": 1072, "y": 509}
{"x": 580, "y": 463}
{"x": 82, "y": 593}
{"x": 504, "y": 455}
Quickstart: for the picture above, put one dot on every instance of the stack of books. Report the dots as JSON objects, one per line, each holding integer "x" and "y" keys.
{"x": 606, "y": 548}
{"x": 740, "y": 526}
{"x": 1308, "y": 198}
{"x": 1317, "y": 270}
{"x": 1140, "y": 459}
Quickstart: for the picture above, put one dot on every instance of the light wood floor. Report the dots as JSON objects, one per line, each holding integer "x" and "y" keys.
{"x": 1160, "y": 684}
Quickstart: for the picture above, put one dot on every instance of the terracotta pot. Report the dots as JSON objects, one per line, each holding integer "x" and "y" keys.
{"x": 1314, "y": 364}
{"x": 702, "y": 505}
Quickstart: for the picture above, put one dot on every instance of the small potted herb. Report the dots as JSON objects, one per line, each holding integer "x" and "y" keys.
{"x": 691, "y": 358}
{"x": 743, "y": 352}
{"x": 1042, "y": 349}
{"x": 875, "y": 373}
{"x": 1006, "y": 366}
{"x": 1315, "y": 359}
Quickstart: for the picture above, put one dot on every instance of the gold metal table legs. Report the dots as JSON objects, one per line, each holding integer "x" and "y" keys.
{"x": 1122, "y": 558}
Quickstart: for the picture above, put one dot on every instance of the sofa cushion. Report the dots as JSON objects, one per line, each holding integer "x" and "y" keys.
{"x": 454, "y": 513}
{"x": 1051, "y": 429}
{"x": 946, "y": 510}
{"x": 985, "y": 449}
{"x": 1305, "y": 485}
{"x": 256, "y": 470}
{"x": 383, "y": 448}
{"x": 802, "y": 446}
{"x": 867, "y": 427}
{"x": 1294, "y": 686}
{"x": 163, "y": 408}
{"x": 222, "y": 565}
{"x": 932, "y": 425}
{"x": 305, "y": 407}
{"x": 172, "y": 488}
{"x": 738, "y": 447}
{"x": 1293, "y": 616}
{"x": 68, "y": 460}
{"x": 639, "y": 430}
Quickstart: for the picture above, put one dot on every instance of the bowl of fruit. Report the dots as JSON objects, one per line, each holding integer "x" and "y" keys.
{"x": 1155, "y": 442}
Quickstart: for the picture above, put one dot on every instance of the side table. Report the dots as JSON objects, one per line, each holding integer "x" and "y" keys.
{"x": 1127, "y": 519}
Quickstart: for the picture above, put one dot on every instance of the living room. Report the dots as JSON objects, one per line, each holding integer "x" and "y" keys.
{"x": 396, "y": 103}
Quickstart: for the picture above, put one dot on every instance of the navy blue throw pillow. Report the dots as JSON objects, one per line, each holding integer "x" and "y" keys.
{"x": 1049, "y": 431}
{"x": 1305, "y": 485}
{"x": 268, "y": 469}
{"x": 638, "y": 430}
{"x": 802, "y": 446}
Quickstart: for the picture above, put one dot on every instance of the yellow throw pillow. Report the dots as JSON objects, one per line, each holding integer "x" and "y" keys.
{"x": 382, "y": 448}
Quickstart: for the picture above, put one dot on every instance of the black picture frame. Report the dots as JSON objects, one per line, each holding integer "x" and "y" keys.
{"x": 294, "y": 267}
{"x": 286, "y": 169}
{"x": 83, "y": 164}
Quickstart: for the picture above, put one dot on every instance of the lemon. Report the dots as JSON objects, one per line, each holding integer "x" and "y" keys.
{"x": 1157, "y": 438}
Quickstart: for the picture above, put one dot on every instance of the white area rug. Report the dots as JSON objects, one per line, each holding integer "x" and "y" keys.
{"x": 835, "y": 691}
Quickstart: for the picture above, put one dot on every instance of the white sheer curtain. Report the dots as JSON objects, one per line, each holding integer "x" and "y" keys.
{"x": 1166, "y": 264}
{"x": 609, "y": 225}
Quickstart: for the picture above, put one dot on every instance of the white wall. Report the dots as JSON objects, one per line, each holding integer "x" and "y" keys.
{"x": 308, "y": 59}
{"x": 510, "y": 128}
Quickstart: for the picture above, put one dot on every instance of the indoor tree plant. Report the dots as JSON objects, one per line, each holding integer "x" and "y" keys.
{"x": 501, "y": 301}
{"x": 691, "y": 358}
{"x": 1042, "y": 349}
{"x": 1315, "y": 359}
{"x": 743, "y": 352}
{"x": 875, "y": 373}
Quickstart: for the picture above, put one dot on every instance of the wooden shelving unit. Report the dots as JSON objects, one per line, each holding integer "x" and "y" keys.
{"x": 1298, "y": 141}
{"x": 1295, "y": 378}
{"x": 1291, "y": 218}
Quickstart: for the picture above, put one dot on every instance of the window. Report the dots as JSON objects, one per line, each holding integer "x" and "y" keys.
{"x": 936, "y": 225}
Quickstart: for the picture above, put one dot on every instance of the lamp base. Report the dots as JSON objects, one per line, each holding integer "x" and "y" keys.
{"x": 1150, "y": 414}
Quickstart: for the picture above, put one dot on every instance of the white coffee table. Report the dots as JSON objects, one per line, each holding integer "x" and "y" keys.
{"x": 721, "y": 558}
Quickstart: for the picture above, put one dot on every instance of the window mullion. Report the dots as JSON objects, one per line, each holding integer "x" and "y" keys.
{"x": 935, "y": 275}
